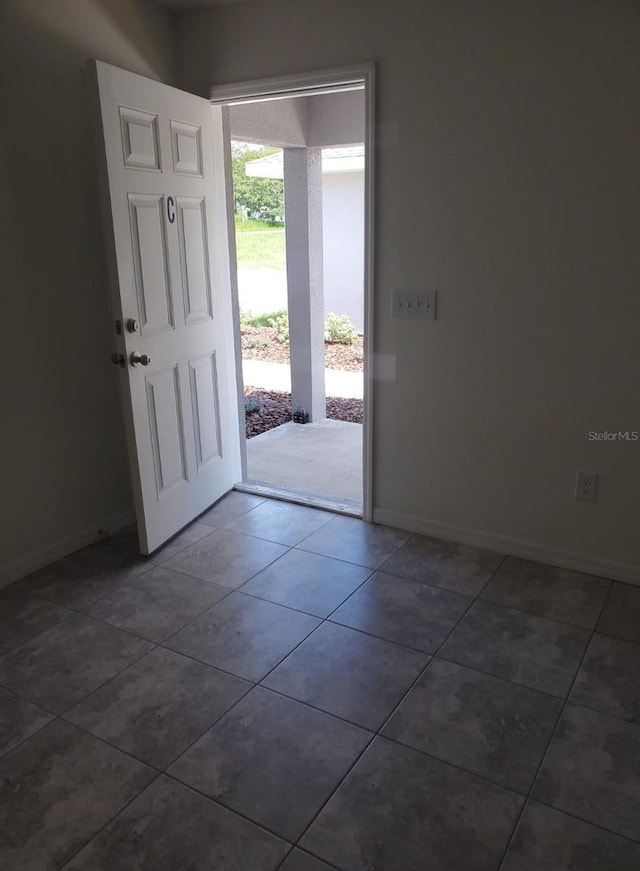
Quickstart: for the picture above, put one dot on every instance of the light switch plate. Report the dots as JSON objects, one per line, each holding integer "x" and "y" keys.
{"x": 421, "y": 304}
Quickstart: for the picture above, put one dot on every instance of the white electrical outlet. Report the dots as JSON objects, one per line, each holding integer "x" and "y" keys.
{"x": 415, "y": 305}
{"x": 586, "y": 483}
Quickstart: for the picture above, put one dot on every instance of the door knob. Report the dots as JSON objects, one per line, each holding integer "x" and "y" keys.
{"x": 133, "y": 326}
{"x": 139, "y": 359}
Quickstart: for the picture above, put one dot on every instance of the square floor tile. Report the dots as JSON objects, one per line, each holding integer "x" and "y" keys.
{"x": 192, "y": 533}
{"x": 157, "y": 604}
{"x": 349, "y": 674}
{"x": 84, "y": 577}
{"x": 67, "y": 662}
{"x": 274, "y": 760}
{"x": 281, "y": 522}
{"x": 487, "y": 725}
{"x": 229, "y": 508}
{"x": 608, "y": 680}
{"x": 307, "y": 582}
{"x": 243, "y": 635}
{"x": 355, "y": 541}
{"x": 621, "y": 615}
{"x": 539, "y": 653}
{"x": 23, "y": 616}
{"x": 547, "y": 591}
{"x": 18, "y": 720}
{"x": 226, "y": 558}
{"x": 172, "y": 827}
{"x": 548, "y": 840}
{"x": 415, "y": 615}
{"x": 157, "y": 707}
{"x": 403, "y": 811}
{"x": 299, "y": 861}
{"x": 456, "y": 567}
{"x": 56, "y": 791}
{"x": 592, "y": 770}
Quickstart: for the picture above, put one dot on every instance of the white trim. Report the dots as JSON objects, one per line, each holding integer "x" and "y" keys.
{"x": 235, "y": 299}
{"x": 272, "y": 492}
{"x": 308, "y": 84}
{"x": 53, "y": 552}
{"x": 296, "y": 85}
{"x": 566, "y": 559}
{"x": 369, "y": 297}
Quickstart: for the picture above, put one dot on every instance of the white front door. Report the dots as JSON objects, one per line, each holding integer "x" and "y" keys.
{"x": 171, "y": 290}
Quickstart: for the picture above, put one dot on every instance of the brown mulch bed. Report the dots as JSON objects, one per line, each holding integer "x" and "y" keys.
{"x": 260, "y": 343}
{"x": 275, "y": 409}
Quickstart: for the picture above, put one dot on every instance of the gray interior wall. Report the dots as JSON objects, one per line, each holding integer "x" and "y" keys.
{"x": 64, "y": 471}
{"x": 507, "y": 177}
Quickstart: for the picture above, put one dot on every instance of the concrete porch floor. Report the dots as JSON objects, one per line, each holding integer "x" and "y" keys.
{"x": 319, "y": 462}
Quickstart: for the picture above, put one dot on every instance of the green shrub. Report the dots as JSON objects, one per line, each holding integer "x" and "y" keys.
{"x": 339, "y": 328}
{"x": 245, "y": 319}
{"x": 263, "y": 320}
{"x": 252, "y": 404}
{"x": 256, "y": 342}
{"x": 280, "y": 323}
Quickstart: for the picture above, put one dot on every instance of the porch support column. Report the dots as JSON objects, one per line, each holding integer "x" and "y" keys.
{"x": 303, "y": 231}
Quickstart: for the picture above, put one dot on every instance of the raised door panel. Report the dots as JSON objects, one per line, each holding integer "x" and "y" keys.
{"x": 150, "y": 262}
{"x": 186, "y": 148}
{"x": 140, "y": 139}
{"x": 194, "y": 259}
{"x": 167, "y": 433}
{"x": 206, "y": 409}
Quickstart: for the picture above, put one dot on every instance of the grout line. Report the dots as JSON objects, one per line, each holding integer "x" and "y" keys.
{"x": 587, "y": 822}
{"x": 159, "y": 772}
{"x": 442, "y": 658}
{"x": 554, "y": 732}
{"x": 24, "y": 740}
{"x": 538, "y": 616}
{"x": 378, "y": 733}
{"x": 109, "y": 679}
{"x": 96, "y": 834}
{"x": 227, "y": 808}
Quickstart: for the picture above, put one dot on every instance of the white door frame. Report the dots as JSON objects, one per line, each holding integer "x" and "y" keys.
{"x": 308, "y": 84}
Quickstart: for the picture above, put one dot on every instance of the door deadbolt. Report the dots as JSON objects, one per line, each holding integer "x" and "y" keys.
{"x": 139, "y": 359}
{"x": 133, "y": 326}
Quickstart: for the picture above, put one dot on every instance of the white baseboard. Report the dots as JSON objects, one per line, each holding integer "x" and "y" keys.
{"x": 52, "y": 552}
{"x": 566, "y": 559}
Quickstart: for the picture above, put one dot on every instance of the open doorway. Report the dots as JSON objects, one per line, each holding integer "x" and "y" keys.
{"x": 300, "y": 184}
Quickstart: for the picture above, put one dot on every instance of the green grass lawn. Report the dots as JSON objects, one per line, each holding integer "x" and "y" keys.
{"x": 259, "y": 245}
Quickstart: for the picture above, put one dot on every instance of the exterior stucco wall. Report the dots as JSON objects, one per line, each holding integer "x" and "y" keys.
{"x": 343, "y": 244}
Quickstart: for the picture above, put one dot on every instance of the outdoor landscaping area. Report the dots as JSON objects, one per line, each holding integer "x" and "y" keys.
{"x": 266, "y": 409}
{"x": 266, "y": 337}
{"x": 261, "y": 258}
{"x": 262, "y": 341}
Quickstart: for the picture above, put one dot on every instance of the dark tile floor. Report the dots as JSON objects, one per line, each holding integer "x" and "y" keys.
{"x": 279, "y": 688}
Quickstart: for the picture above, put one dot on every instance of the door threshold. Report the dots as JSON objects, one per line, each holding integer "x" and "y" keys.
{"x": 300, "y": 497}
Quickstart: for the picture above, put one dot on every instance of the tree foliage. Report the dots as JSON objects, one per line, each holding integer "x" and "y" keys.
{"x": 261, "y": 199}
